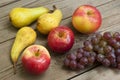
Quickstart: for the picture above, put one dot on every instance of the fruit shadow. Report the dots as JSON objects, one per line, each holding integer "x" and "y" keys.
{"x": 23, "y": 74}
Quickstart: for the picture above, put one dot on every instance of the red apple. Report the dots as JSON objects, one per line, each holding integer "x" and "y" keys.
{"x": 86, "y": 19}
{"x": 36, "y": 59}
{"x": 61, "y": 39}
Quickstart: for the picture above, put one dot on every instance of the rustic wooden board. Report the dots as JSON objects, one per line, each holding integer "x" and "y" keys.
{"x": 100, "y": 73}
{"x": 111, "y": 19}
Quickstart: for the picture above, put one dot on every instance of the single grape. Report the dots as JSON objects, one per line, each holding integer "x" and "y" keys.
{"x": 96, "y": 47}
{"x": 71, "y": 56}
{"x": 118, "y": 59}
{"x": 86, "y": 43}
{"x": 111, "y": 55}
{"x": 118, "y": 66}
{"x": 112, "y": 41}
{"x": 107, "y": 35}
{"x": 117, "y": 45}
{"x": 93, "y": 54}
{"x": 73, "y": 64}
{"x": 83, "y": 60}
{"x": 88, "y": 47}
{"x": 79, "y": 55}
{"x": 117, "y": 36}
{"x": 98, "y": 36}
{"x": 107, "y": 49}
{"x": 101, "y": 50}
{"x": 106, "y": 62}
{"x": 102, "y": 43}
{"x": 66, "y": 62}
{"x": 94, "y": 40}
{"x": 91, "y": 59}
{"x": 100, "y": 57}
{"x": 86, "y": 54}
{"x": 80, "y": 66}
{"x": 117, "y": 52}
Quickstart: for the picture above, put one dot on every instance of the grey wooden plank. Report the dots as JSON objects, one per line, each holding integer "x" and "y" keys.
{"x": 5, "y": 2}
{"x": 100, "y": 73}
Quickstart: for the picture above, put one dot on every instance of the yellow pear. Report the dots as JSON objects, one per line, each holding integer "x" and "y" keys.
{"x": 24, "y": 37}
{"x": 21, "y": 17}
{"x": 48, "y": 21}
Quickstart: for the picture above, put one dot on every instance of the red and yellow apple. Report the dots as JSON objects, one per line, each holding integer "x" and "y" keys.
{"x": 86, "y": 19}
{"x": 61, "y": 39}
{"x": 36, "y": 59}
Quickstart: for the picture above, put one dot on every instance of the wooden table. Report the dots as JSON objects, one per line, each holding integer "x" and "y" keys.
{"x": 110, "y": 10}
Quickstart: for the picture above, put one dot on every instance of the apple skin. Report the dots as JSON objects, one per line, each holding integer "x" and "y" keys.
{"x": 86, "y": 19}
{"x": 61, "y": 39}
{"x": 36, "y": 59}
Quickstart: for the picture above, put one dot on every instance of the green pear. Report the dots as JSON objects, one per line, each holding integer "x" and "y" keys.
{"x": 48, "y": 21}
{"x": 24, "y": 37}
{"x": 21, "y": 17}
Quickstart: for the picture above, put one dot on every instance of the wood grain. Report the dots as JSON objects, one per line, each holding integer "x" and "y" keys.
{"x": 111, "y": 21}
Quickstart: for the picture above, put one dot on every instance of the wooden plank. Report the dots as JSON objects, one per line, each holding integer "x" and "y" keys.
{"x": 8, "y": 25}
{"x": 100, "y": 73}
{"x": 6, "y": 2}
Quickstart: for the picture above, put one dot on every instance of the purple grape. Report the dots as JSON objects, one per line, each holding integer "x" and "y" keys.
{"x": 107, "y": 49}
{"x": 79, "y": 55}
{"x": 91, "y": 59}
{"x": 80, "y": 50}
{"x": 106, "y": 62}
{"x": 99, "y": 36}
{"x": 86, "y": 43}
{"x": 71, "y": 56}
{"x": 107, "y": 35}
{"x": 80, "y": 66}
{"x": 84, "y": 61}
{"x": 66, "y": 62}
{"x": 117, "y": 36}
{"x": 118, "y": 59}
{"x": 86, "y": 54}
{"x": 117, "y": 52}
{"x": 88, "y": 47}
{"x": 100, "y": 57}
{"x": 73, "y": 64}
{"x": 96, "y": 48}
{"x": 112, "y": 41}
{"x": 94, "y": 40}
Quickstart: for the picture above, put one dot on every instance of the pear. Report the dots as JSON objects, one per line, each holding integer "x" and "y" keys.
{"x": 48, "y": 21}
{"x": 21, "y": 17}
{"x": 24, "y": 37}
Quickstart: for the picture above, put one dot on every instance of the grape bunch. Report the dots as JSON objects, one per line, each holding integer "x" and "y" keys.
{"x": 107, "y": 49}
{"x": 104, "y": 49}
{"x": 80, "y": 59}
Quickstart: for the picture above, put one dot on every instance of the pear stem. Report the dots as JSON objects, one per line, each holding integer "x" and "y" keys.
{"x": 14, "y": 67}
{"x": 54, "y": 7}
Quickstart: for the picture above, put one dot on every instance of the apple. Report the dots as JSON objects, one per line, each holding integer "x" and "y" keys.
{"x": 36, "y": 59}
{"x": 61, "y": 39}
{"x": 86, "y": 19}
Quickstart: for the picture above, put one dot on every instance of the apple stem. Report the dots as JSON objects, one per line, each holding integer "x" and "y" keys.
{"x": 14, "y": 67}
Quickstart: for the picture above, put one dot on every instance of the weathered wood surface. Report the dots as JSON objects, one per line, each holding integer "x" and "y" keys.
{"x": 111, "y": 21}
